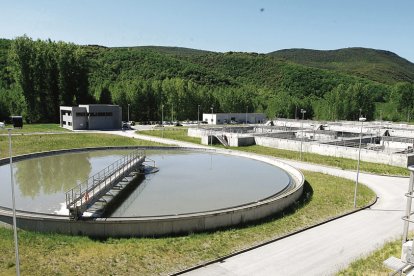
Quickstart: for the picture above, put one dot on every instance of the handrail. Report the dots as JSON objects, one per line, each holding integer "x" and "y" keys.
{"x": 81, "y": 193}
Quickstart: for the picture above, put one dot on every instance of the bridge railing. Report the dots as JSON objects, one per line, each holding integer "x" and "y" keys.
{"x": 81, "y": 193}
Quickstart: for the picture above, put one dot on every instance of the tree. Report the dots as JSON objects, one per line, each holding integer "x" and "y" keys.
{"x": 404, "y": 97}
{"x": 105, "y": 96}
{"x": 48, "y": 74}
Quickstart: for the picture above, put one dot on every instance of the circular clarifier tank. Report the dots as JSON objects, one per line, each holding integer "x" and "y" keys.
{"x": 189, "y": 184}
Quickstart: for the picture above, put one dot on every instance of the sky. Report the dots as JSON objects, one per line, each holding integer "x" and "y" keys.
{"x": 260, "y": 26}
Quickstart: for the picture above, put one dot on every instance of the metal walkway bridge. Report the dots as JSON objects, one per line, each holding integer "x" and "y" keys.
{"x": 84, "y": 195}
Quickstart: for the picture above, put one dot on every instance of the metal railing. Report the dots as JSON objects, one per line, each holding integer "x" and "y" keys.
{"x": 82, "y": 194}
{"x": 406, "y": 140}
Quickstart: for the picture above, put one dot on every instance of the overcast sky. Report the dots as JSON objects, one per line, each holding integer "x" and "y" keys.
{"x": 217, "y": 25}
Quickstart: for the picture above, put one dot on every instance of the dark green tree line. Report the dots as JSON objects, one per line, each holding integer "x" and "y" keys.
{"x": 47, "y": 74}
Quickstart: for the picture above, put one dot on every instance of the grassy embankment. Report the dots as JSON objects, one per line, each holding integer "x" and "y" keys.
{"x": 325, "y": 197}
{"x": 343, "y": 163}
{"x": 36, "y": 143}
{"x": 373, "y": 263}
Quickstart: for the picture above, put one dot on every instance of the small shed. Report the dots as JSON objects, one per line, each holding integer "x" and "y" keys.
{"x": 17, "y": 121}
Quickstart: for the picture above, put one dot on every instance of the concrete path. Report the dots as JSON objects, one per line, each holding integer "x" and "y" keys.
{"x": 325, "y": 249}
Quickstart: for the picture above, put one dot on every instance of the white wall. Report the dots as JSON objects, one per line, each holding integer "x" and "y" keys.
{"x": 226, "y": 118}
{"x": 209, "y": 118}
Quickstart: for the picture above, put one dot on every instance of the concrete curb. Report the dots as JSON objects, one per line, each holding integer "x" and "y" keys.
{"x": 222, "y": 259}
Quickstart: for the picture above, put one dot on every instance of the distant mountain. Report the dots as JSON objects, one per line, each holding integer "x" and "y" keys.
{"x": 377, "y": 65}
{"x": 170, "y": 50}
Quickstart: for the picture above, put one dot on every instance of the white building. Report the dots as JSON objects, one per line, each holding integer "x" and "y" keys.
{"x": 229, "y": 118}
{"x": 91, "y": 116}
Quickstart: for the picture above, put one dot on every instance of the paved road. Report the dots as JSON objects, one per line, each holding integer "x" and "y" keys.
{"x": 325, "y": 249}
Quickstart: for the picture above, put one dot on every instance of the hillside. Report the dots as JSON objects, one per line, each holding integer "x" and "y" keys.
{"x": 148, "y": 64}
{"x": 377, "y": 65}
{"x": 214, "y": 69}
{"x": 328, "y": 84}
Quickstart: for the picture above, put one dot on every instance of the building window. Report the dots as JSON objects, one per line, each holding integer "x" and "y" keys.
{"x": 99, "y": 114}
{"x": 69, "y": 123}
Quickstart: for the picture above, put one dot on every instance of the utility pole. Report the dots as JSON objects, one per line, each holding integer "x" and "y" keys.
{"x": 361, "y": 119}
{"x": 211, "y": 136}
{"x": 16, "y": 243}
{"x": 162, "y": 119}
{"x": 198, "y": 116}
{"x": 303, "y": 111}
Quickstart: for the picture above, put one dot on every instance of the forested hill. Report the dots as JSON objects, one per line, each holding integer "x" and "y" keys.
{"x": 37, "y": 76}
{"x": 377, "y": 65}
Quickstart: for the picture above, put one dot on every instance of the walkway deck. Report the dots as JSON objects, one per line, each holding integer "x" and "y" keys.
{"x": 84, "y": 195}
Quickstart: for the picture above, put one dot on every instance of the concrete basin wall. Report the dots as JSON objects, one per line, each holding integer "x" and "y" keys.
{"x": 400, "y": 160}
{"x": 161, "y": 225}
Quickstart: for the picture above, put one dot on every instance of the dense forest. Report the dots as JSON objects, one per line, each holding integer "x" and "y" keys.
{"x": 37, "y": 76}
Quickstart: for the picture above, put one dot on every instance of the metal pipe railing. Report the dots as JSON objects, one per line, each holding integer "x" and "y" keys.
{"x": 100, "y": 180}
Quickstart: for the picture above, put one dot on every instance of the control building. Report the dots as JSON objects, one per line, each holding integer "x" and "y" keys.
{"x": 91, "y": 116}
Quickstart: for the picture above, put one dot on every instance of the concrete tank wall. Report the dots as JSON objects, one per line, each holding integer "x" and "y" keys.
{"x": 400, "y": 160}
{"x": 240, "y": 141}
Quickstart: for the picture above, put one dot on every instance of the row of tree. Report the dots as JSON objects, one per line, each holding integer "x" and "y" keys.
{"x": 45, "y": 74}
{"x": 181, "y": 100}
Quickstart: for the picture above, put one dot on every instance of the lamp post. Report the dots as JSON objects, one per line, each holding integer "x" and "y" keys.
{"x": 16, "y": 244}
{"x": 128, "y": 113}
{"x": 162, "y": 119}
{"x": 303, "y": 111}
{"x": 211, "y": 138}
{"x": 361, "y": 119}
{"x": 198, "y": 116}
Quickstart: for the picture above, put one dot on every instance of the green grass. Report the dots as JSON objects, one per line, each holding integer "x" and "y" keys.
{"x": 324, "y": 197}
{"x": 373, "y": 263}
{"x": 175, "y": 133}
{"x": 35, "y": 128}
{"x": 36, "y": 143}
{"x": 343, "y": 163}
